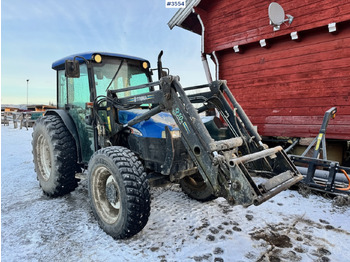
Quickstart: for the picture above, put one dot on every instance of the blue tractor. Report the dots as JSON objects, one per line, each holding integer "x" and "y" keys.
{"x": 121, "y": 126}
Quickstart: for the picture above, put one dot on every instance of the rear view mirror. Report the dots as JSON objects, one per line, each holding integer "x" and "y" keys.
{"x": 72, "y": 68}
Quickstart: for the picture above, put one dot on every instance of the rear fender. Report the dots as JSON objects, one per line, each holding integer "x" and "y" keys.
{"x": 69, "y": 123}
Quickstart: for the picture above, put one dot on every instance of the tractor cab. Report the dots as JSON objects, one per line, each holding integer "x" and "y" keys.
{"x": 83, "y": 79}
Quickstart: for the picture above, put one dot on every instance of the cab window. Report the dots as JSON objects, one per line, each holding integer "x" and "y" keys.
{"x": 78, "y": 88}
{"x": 61, "y": 89}
{"x": 129, "y": 74}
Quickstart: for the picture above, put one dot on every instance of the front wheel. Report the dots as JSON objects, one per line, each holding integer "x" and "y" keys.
{"x": 195, "y": 187}
{"x": 118, "y": 191}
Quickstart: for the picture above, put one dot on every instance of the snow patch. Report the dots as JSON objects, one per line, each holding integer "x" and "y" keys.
{"x": 34, "y": 227}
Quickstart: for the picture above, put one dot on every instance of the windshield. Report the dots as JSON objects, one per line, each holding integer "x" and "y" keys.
{"x": 130, "y": 73}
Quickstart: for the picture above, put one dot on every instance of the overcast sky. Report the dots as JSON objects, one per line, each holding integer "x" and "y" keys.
{"x": 36, "y": 33}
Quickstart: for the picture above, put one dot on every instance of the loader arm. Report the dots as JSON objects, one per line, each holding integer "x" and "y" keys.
{"x": 227, "y": 165}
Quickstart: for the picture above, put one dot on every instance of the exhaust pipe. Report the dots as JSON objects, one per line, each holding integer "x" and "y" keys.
{"x": 160, "y": 65}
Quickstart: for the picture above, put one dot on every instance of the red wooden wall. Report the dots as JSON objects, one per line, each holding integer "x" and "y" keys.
{"x": 229, "y": 23}
{"x": 286, "y": 88}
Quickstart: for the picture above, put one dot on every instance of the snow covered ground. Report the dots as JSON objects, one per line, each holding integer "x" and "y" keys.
{"x": 34, "y": 227}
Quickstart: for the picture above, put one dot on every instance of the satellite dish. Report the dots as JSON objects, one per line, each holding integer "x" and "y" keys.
{"x": 277, "y": 15}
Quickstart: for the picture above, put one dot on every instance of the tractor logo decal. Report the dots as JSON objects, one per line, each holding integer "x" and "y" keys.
{"x": 179, "y": 116}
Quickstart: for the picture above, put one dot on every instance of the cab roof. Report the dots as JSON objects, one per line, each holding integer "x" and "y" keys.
{"x": 59, "y": 64}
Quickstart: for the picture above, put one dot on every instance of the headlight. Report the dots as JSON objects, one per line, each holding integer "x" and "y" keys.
{"x": 98, "y": 58}
{"x": 174, "y": 134}
{"x": 145, "y": 65}
{"x": 134, "y": 131}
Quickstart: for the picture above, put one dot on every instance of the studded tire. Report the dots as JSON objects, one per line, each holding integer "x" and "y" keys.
{"x": 54, "y": 156}
{"x": 195, "y": 187}
{"x": 118, "y": 191}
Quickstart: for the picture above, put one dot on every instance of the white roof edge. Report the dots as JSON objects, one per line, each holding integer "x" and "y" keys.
{"x": 182, "y": 13}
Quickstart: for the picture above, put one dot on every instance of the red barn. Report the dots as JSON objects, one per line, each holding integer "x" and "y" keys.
{"x": 285, "y": 78}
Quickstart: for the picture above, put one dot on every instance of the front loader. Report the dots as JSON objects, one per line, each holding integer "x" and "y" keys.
{"x": 125, "y": 128}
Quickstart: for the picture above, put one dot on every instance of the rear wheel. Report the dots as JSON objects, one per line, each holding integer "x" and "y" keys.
{"x": 195, "y": 187}
{"x": 55, "y": 156}
{"x": 118, "y": 191}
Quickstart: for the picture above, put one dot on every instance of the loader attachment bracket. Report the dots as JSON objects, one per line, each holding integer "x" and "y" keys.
{"x": 243, "y": 188}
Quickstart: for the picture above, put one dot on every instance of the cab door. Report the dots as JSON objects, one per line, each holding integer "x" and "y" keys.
{"x": 73, "y": 94}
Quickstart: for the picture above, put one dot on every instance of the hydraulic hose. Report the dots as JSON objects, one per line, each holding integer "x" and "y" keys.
{"x": 348, "y": 178}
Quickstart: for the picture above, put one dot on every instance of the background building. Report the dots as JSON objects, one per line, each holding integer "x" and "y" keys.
{"x": 284, "y": 79}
